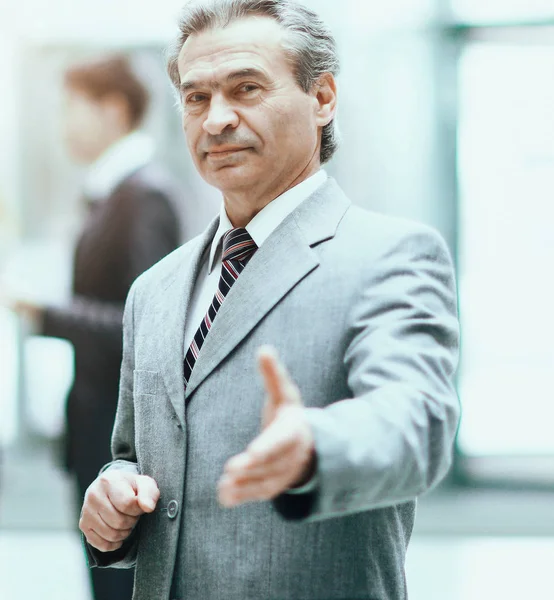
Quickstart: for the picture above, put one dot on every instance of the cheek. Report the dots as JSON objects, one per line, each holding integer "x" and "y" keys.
{"x": 289, "y": 135}
{"x": 302, "y": 129}
{"x": 84, "y": 124}
{"x": 192, "y": 136}
{"x": 75, "y": 133}
{"x": 191, "y": 128}
{"x": 195, "y": 137}
{"x": 290, "y": 119}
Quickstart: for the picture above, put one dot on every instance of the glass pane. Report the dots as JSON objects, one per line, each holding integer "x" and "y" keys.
{"x": 502, "y": 10}
{"x": 8, "y": 377}
{"x": 506, "y": 249}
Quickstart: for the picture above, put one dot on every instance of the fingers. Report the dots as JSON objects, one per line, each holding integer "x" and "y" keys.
{"x": 123, "y": 492}
{"x": 113, "y": 505}
{"x": 148, "y": 493}
{"x": 26, "y": 309}
{"x": 242, "y": 468}
{"x": 98, "y": 532}
{"x": 111, "y": 534}
{"x": 275, "y": 461}
{"x": 232, "y": 493}
{"x": 111, "y": 516}
{"x": 263, "y": 482}
{"x": 269, "y": 367}
{"x": 285, "y": 431}
{"x": 98, "y": 542}
{"x": 244, "y": 480}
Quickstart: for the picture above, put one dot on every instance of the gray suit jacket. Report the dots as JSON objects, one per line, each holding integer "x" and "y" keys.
{"x": 362, "y": 309}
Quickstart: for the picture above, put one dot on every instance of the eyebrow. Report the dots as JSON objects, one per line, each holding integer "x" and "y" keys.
{"x": 242, "y": 74}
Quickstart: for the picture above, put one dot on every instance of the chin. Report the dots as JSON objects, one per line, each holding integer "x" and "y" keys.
{"x": 232, "y": 178}
{"x": 78, "y": 154}
{"x": 81, "y": 158}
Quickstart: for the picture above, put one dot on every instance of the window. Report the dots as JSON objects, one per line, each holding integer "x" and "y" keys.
{"x": 506, "y": 248}
{"x": 475, "y": 11}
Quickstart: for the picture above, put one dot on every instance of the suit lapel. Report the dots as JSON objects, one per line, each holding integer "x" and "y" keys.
{"x": 277, "y": 267}
{"x": 169, "y": 315}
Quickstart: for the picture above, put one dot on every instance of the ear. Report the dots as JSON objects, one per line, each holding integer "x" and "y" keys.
{"x": 325, "y": 93}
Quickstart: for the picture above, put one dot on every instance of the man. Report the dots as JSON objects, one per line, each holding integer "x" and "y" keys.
{"x": 131, "y": 224}
{"x": 349, "y": 317}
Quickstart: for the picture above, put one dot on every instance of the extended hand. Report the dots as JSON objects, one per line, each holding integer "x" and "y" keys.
{"x": 28, "y": 310}
{"x": 283, "y": 455}
{"x": 113, "y": 505}
{"x": 25, "y": 309}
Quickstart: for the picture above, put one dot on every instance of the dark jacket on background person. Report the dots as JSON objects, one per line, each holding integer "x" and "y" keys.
{"x": 124, "y": 235}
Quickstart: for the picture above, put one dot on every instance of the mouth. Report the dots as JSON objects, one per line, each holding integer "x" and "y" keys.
{"x": 223, "y": 152}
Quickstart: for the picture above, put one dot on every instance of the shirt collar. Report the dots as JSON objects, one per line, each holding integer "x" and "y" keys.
{"x": 126, "y": 156}
{"x": 270, "y": 217}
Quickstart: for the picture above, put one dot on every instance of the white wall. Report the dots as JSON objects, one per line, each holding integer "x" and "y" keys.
{"x": 387, "y": 97}
{"x": 61, "y": 22}
{"x": 8, "y": 139}
{"x": 103, "y": 21}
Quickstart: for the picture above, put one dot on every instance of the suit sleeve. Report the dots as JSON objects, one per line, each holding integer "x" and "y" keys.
{"x": 392, "y": 440}
{"x": 143, "y": 230}
{"x": 123, "y": 446}
{"x": 81, "y": 318}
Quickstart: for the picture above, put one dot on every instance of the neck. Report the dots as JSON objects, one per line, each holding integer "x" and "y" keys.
{"x": 243, "y": 206}
{"x": 115, "y": 137}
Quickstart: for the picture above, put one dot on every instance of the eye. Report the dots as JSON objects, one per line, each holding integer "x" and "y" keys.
{"x": 247, "y": 88}
{"x": 195, "y": 98}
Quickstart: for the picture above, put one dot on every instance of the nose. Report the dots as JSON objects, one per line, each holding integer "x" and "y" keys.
{"x": 220, "y": 116}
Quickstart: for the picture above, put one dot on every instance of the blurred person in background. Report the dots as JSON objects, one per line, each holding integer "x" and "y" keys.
{"x": 355, "y": 398}
{"x": 131, "y": 224}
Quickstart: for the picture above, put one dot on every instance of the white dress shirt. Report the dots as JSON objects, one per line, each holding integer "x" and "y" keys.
{"x": 115, "y": 164}
{"x": 260, "y": 228}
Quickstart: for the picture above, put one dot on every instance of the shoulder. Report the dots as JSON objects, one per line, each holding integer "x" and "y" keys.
{"x": 368, "y": 234}
{"x": 160, "y": 276}
{"x": 154, "y": 177}
{"x": 149, "y": 186}
{"x": 169, "y": 266}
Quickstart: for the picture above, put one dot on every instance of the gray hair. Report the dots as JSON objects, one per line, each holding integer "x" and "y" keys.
{"x": 310, "y": 47}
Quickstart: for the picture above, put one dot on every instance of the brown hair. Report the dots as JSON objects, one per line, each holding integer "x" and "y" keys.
{"x": 113, "y": 75}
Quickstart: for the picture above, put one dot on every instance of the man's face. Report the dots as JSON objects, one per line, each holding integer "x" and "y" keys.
{"x": 247, "y": 121}
{"x": 85, "y": 126}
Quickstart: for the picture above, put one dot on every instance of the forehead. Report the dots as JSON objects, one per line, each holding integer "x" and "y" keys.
{"x": 249, "y": 42}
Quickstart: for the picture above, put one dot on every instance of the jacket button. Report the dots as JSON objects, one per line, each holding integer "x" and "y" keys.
{"x": 172, "y": 509}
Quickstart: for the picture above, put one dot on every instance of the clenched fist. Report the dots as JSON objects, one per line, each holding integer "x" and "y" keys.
{"x": 113, "y": 505}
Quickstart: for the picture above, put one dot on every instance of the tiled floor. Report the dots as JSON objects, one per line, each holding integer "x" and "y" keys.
{"x": 468, "y": 545}
{"x": 48, "y": 566}
{"x": 474, "y": 568}
{"x": 42, "y": 566}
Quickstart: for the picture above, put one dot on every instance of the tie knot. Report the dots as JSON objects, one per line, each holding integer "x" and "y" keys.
{"x": 238, "y": 245}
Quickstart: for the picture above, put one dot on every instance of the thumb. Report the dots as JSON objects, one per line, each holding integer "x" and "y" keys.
{"x": 147, "y": 493}
{"x": 281, "y": 389}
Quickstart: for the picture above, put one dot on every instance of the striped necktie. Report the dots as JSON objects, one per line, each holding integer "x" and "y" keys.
{"x": 238, "y": 248}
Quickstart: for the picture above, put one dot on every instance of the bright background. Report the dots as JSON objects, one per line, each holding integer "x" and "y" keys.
{"x": 446, "y": 113}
